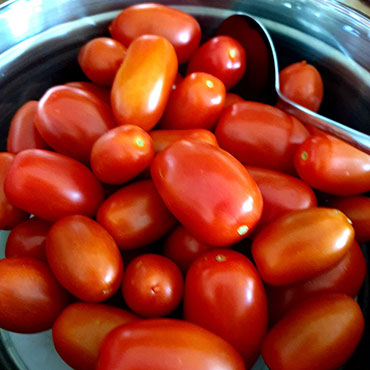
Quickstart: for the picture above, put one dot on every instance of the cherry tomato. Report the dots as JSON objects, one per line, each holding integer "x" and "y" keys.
{"x": 221, "y": 56}
{"x": 320, "y": 333}
{"x": 144, "y": 81}
{"x": 345, "y": 277}
{"x": 27, "y": 239}
{"x": 357, "y": 209}
{"x": 166, "y": 344}
{"x": 183, "y": 248}
{"x": 260, "y": 135}
{"x": 302, "y": 83}
{"x": 22, "y": 131}
{"x": 51, "y": 185}
{"x": 84, "y": 258}
{"x": 10, "y": 215}
{"x": 152, "y": 285}
{"x": 136, "y": 215}
{"x": 30, "y": 297}
{"x": 301, "y": 244}
{"x": 99, "y": 92}
{"x": 333, "y": 166}
{"x": 100, "y": 59}
{"x": 232, "y": 98}
{"x": 179, "y": 28}
{"x": 121, "y": 154}
{"x": 208, "y": 191}
{"x": 224, "y": 294}
{"x": 80, "y": 329}
{"x": 70, "y": 121}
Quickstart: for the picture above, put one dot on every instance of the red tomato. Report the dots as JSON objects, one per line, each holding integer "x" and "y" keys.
{"x": 179, "y": 28}
{"x": 208, "y": 191}
{"x": 164, "y": 138}
{"x": 357, "y": 209}
{"x": 10, "y": 215}
{"x": 22, "y": 131}
{"x": 224, "y": 294}
{"x": 152, "y": 285}
{"x": 80, "y": 329}
{"x": 345, "y": 277}
{"x": 99, "y": 92}
{"x": 281, "y": 194}
{"x": 136, "y": 215}
{"x": 232, "y": 98}
{"x": 178, "y": 79}
{"x": 62, "y": 117}
{"x": 30, "y": 297}
{"x": 183, "y": 248}
{"x": 144, "y": 81}
{"x": 301, "y": 244}
{"x": 302, "y": 83}
{"x": 27, "y": 239}
{"x": 333, "y": 166}
{"x": 121, "y": 154}
{"x": 84, "y": 258}
{"x": 166, "y": 344}
{"x": 51, "y": 185}
{"x": 221, "y": 56}
{"x": 197, "y": 102}
{"x": 260, "y": 135}
{"x": 100, "y": 59}
{"x": 320, "y": 333}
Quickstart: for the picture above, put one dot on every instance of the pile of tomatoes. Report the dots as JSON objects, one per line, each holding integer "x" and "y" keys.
{"x": 176, "y": 225}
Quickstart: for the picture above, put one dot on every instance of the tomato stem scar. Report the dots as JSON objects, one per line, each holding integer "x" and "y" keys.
{"x": 220, "y": 258}
{"x": 304, "y": 155}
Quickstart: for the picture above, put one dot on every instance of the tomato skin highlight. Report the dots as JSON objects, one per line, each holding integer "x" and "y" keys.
{"x": 301, "y": 244}
{"x": 72, "y": 188}
{"x": 144, "y": 81}
{"x": 224, "y": 294}
{"x": 80, "y": 329}
{"x": 97, "y": 91}
{"x": 208, "y": 191}
{"x": 30, "y": 296}
{"x": 181, "y": 29}
{"x": 327, "y": 326}
{"x": 166, "y": 344}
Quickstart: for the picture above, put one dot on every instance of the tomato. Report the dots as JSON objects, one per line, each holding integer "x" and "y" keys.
{"x": 183, "y": 248}
{"x": 152, "y": 285}
{"x": 144, "y": 81}
{"x": 99, "y": 92}
{"x": 346, "y": 277}
{"x": 281, "y": 193}
{"x": 22, "y": 131}
{"x": 260, "y": 135}
{"x": 224, "y": 294}
{"x": 208, "y": 191}
{"x": 222, "y": 57}
{"x": 30, "y": 297}
{"x": 232, "y": 98}
{"x": 197, "y": 102}
{"x": 62, "y": 117}
{"x": 333, "y": 166}
{"x": 27, "y": 239}
{"x": 357, "y": 209}
{"x": 84, "y": 258}
{"x": 301, "y": 244}
{"x": 136, "y": 215}
{"x": 164, "y": 138}
{"x": 302, "y": 83}
{"x": 100, "y": 59}
{"x": 51, "y": 185}
{"x": 178, "y": 79}
{"x": 121, "y": 154}
{"x": 80, "y": 329}
{"x": 320, "y": 333}
{"x": 166, "y": 344}
{"x": 179, "y": 28}
{"x": 10, "y": 215}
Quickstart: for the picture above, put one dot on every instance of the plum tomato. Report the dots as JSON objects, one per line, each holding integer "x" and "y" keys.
{"x": 152, "y": 285}
{"x": 232, "y": 98}
{"x": 100, "y": 92}
{"x": 301, "y": 244}
{"x": 179, "y": 28}
{"x": 224, "y": 294}
{"x": 208, "y": 191}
